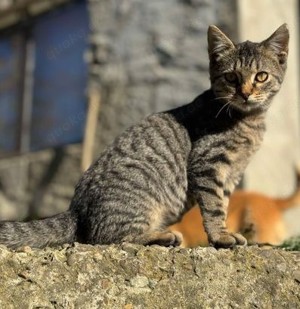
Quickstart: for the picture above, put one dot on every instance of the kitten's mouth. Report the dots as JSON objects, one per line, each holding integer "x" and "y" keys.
{"x": 248, "y": 105}
{"x": 243, "y": 105}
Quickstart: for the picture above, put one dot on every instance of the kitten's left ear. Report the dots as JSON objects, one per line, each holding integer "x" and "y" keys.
{"x": 218, "y": 43}
{"x": 278, "y": 42}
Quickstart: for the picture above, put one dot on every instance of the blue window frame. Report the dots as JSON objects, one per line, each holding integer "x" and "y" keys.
{"x": 10, "y": 91}
{"x": 42, "y": 101}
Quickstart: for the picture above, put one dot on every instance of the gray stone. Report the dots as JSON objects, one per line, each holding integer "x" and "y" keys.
{"x": 139, "y": 282}
{"x": 157, "y": 58}
{"x": 296, "y": 275}
{"x": 148, "y": 277}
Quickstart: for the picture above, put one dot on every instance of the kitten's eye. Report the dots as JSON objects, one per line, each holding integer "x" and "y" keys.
{"x": 231, "y": 77}
{"x": 261, "y": 77}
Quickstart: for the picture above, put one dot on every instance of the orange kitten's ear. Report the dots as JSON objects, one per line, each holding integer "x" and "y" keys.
{"x": 218, "y": 42}
{"x": 278, "y": 42}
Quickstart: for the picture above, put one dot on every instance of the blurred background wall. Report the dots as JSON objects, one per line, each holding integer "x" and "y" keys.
{"x": 271, "y": 171}
{"x": 143, "y": 57}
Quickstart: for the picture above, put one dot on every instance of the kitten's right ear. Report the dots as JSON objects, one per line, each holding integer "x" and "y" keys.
{"x": 218, "y": 43}
{"x": 278, "y": 42}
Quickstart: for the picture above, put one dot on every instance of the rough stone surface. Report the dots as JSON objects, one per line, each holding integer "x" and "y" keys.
{"x": 131, "y": 276}
{"x": 21, "y": 176}
{"x": 149, "y": 56}
{"x": 5, "y": 4}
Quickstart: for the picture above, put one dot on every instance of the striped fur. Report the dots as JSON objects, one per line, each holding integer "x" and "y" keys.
{"x": 152, "y": 173}
{"x": 258, "y": 217}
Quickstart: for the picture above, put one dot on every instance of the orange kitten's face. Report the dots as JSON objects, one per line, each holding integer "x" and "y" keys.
{"x": 247, "y": 75}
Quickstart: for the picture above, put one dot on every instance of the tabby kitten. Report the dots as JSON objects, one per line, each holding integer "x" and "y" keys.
{"x": 152, "y": 173}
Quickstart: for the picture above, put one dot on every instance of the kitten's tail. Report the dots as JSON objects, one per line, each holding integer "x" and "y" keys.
{"x": 55, "y": 230}
{"x": 294, "y": 199}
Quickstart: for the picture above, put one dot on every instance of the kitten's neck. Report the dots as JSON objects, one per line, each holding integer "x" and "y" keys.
{"x": 208, "y": 115}
{"x": 258, "y": 117}
{"x": 209, "y": 105}
{"x": 254, "y": 118}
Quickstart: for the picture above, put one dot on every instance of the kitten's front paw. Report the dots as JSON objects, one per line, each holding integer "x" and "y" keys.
{"x": 227, "y": 240}
{"x": 166, "y": 239}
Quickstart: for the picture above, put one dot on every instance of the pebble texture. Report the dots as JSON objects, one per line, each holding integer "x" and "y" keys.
{"x": 132, "y": 276}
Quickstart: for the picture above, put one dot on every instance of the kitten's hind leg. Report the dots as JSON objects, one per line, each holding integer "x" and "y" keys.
{"x": 162, "y": 238}
{"x": 154, "y": 230}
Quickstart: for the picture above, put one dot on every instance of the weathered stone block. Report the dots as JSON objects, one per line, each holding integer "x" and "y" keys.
{"x": 132, "y": 276}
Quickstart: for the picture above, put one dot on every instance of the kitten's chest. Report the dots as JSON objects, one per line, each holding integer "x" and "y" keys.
{"x": 246, "y": 139}
{"x": 249, "y": 135}
{"x": 243, "y": 142}
{"x": 228, "y": 151}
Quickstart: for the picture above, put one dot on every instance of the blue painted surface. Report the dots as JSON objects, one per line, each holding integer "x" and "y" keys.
{"x": 10, "y": 49}
{"x": 60, "y": 77}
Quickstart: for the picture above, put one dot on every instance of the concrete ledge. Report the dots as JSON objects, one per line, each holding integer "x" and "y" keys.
{"x": 131, "y": 276}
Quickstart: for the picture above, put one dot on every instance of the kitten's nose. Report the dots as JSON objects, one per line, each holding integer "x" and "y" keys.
{"x": 245, "y": 95}
{"x": 245, "y": 90}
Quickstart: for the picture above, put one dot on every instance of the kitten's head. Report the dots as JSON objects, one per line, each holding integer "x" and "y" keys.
{"x": 247, "y": 75}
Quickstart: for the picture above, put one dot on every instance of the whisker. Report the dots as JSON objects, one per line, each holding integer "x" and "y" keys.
{"x": 221, "y": 98}
{"x": 228, "y": 109}
{"x": 222, "y": 109}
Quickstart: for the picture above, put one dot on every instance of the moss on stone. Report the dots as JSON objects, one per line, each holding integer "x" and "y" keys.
{"x": 292, "y": 244}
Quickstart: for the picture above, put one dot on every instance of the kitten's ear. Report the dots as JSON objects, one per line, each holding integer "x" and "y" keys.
{"x": 278, "y": 42}
{"x": 218, "y": 42}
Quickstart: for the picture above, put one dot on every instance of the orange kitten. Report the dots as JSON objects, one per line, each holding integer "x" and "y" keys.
{"x": 258, "y": 217}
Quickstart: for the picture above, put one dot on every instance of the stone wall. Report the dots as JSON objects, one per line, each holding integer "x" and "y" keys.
{"x": 21, "y": 183}
{"x": 4, "y": 4}
{"x": 132, "y": 277}
{"x": 149, "y": 56}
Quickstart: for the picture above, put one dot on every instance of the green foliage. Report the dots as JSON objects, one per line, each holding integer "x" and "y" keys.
{"x": 292, "y": 244}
